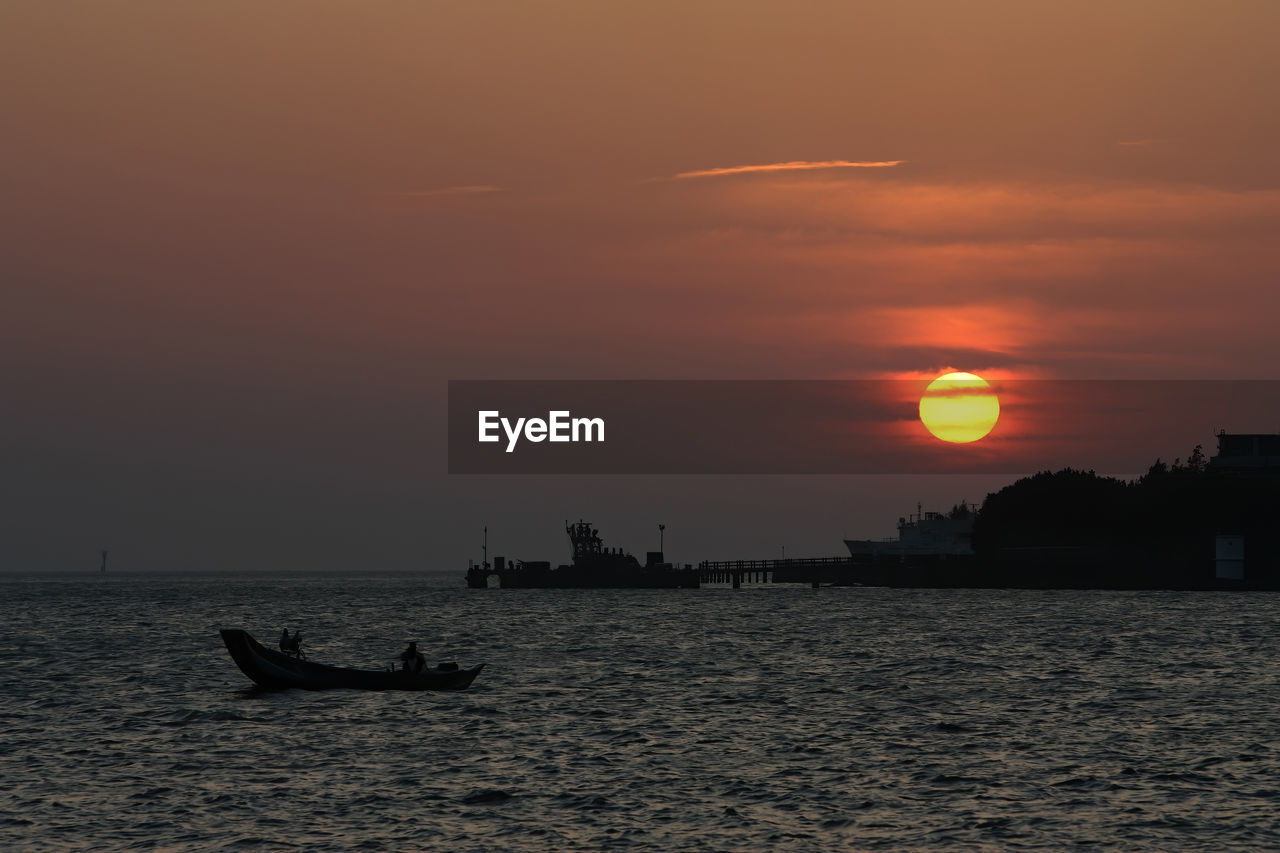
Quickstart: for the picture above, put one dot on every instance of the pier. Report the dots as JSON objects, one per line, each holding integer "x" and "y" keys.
{"x": 810, "y": 570}
{"x": 886, "y": 569}
{"x": 594, "y": 566}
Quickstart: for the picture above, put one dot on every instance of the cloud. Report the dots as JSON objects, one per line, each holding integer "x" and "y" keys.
{"x": 808, "y": 215}
{"x": 463, "y": 190}
{"x": 789, "y": 166}
{"x": 1047, "y": 273}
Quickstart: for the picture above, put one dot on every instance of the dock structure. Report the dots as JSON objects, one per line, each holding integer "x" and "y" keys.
{"x": 811, "y": 570}
{"x": 593, "y": 566}
{"x": 894, "y": 570}
{"x": 928, "y": 551}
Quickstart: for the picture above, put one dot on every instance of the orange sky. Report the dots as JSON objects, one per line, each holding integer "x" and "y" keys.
{"x": 244, "y": 244}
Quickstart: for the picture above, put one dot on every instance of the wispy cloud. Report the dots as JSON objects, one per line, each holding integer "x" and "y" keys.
{"x": 464, "y": 190}
{"x": 789, "y": 166}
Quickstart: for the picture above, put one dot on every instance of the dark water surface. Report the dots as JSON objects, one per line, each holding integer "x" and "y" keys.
{"x": 769, "y": 718}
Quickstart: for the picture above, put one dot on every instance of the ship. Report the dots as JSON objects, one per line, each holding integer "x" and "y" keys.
{"x": 924, "y": 535}
{"x": 932, "y": 549}
{"x": 592, "y": 566}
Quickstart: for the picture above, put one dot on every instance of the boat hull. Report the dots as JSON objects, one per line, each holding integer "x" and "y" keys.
{"x": 276, "y": 670}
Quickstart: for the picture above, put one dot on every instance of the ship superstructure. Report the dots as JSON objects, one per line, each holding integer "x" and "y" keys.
{"x": 592, "y": 566}
{"x": 923, "y": 534}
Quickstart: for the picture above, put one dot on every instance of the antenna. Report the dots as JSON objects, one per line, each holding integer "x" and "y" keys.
{"x": 485, "y": 547}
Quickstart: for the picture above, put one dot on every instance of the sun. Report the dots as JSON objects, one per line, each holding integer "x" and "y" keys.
{"x": 959, "y": 407}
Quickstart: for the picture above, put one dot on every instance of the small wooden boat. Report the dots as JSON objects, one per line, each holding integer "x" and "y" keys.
{"x": 270, "y": 668}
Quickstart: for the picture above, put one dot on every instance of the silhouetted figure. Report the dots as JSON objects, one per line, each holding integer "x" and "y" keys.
{"x": 414, "y": 661}
{"x": 291, "y": 645}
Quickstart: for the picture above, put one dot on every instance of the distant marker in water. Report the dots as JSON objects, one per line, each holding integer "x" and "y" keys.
{"x": 103, "y": 567}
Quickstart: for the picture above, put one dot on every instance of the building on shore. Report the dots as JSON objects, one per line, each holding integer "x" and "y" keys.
{"x": 1247, "y": 453}
{"x": 1247, "y": 544}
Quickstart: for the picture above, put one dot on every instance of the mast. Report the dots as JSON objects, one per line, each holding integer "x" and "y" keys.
{"x": 103, "y": 567}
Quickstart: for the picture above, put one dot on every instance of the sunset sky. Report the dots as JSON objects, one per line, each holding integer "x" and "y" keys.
{"x": 244, "y": 245}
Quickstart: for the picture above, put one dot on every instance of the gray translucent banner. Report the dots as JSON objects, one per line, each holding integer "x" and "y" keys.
{"x": 838, "y": 427}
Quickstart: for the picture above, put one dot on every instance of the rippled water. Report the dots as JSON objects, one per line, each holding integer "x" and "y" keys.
{"x": 713, "y": 719}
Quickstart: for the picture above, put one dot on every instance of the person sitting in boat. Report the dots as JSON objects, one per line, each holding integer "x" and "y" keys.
{"x": 414, "y": 660}
{"x": 291, "y": 645}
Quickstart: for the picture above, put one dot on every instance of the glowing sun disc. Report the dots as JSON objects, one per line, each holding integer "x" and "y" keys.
{"x": 959, "y": 407}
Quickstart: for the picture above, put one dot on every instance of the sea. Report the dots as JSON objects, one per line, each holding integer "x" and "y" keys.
{"x": 764, "y": 718}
